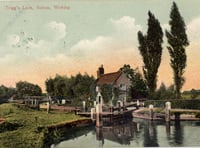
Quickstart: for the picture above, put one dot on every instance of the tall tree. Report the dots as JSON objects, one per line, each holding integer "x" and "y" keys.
{"x": 150, "y": 46}
{"x": 178, "y": 41}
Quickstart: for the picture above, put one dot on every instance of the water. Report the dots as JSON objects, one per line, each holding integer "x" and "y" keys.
{"x": 139, "y": 133}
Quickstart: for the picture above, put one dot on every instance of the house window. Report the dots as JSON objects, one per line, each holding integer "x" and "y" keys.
{"x": 122, "y": 87}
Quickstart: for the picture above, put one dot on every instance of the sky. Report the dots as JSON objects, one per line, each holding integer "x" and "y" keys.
{"x": 39, "y": 39}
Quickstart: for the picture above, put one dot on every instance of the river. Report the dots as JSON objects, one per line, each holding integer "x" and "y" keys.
{"x": 138, "y": 133}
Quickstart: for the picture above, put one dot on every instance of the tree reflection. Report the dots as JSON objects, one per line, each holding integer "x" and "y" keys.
{"x": 168, "y": 129}
{"x": 178, "y": 134}
{"x": 122, "y": 134}
{"x": 150, "y": 135}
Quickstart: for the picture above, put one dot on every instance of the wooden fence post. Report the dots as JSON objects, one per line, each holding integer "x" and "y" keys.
{"x": 167, "y": 111}
{"x": 48, "y": 107}
{"x": 151, "y": 111}
{"x": 93, "y": 114}
{"x": 99, "y": 122}
{"x": 84, "y": 106}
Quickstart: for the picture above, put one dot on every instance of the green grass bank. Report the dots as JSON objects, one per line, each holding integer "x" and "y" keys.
{"x": 22, "y": 124}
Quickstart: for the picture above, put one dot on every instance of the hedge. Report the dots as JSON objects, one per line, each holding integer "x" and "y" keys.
{"x": 178, "y": 103}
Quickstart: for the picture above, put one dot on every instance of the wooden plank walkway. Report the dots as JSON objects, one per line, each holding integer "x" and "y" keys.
{"x": 145, "y": 116}
{"x": 174, "y": 110}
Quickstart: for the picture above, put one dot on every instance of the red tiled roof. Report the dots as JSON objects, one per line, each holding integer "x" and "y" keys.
{"x": 108, "y": 78}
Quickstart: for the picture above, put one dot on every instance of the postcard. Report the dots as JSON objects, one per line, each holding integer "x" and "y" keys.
{"x": 62, "y": 49}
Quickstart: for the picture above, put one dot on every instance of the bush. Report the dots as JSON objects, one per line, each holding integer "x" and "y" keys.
{"x": 7, "y": 126}
{"x": 197, "y": 115}
{"x": 183, "y": 104}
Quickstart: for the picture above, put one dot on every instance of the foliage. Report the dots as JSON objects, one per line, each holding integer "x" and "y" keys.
{"x": 76, "y": 88}
{"x": 194, "y": 93}
{"x": 197, "y": 115}
{"x": 81, "y": 85}
{"x": 151, "y": 50}
{"x": 49, "y": 83}
{"x": 138, "y": 86}
{"x": 164, "y": 93}
{"x": 60, "y": 83}
{"x": 191, "y": 94}
{"x": 24, "y": 89}
{"x": 6, "y": 92}
{"x": 28, "y": 135}
{"x": 7, "y": 126}
{"x": 177, "y": 40}
{"x": 106, "y": 92}
{"x": 109, "y": 92}
{"x": 176, "y": 103}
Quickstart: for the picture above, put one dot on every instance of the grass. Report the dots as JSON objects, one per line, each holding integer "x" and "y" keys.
{"x": 188, "y": 96}
{"x": 28, "y": 120}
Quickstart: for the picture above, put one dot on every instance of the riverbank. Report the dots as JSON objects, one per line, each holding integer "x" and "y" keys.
{"x": 32, "y": 127}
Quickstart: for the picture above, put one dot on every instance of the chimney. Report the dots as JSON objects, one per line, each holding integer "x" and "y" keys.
{"x": 100, "y": 71}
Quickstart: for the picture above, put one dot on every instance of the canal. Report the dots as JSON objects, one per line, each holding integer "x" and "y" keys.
{"x": 138, "y": 133}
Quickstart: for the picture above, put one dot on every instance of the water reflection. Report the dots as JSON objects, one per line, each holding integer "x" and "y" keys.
{"x": 140, "y": 133}
{"x": 178, "y": 134}
{"x": 122, "y": 134}
{"x": 168, "y": 131}
{"x": 150, "y": 135}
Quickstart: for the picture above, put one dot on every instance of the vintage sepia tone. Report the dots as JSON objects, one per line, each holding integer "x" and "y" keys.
{"x": 96, "y": 73}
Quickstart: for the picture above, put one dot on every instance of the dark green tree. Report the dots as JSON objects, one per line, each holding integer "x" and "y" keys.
{"x": 60, "y": 83}
{"x": 49, "y": 83}
{"x": 178, "y": 41}
{"x": 106, "y": 92}
{"x": 194, "y": 93}
{"x": 150, "y": 47}
{"x": 164, "y": 92}
{"x": 6, "y": 93}
{"x": 82, "y": 85}
{"x": 76, "y": 88}
{"x": 24, "y": 89}
{"x": 3, "y": 91}
{"x": 138, "y": 86}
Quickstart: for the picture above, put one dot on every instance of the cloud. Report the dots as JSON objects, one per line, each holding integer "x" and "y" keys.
{"x": 193, "y": 29}
{"x": 126, "y": 29}
{"x": 165, "y": 27}
{"x": 12, "y": 40}
{"x": 93, "y": 46}
{"x": 113, "y": 50}
{"x": 56, "y": 30}
{"x": 9, "y": 58}
{"x": 125, "y": 23}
